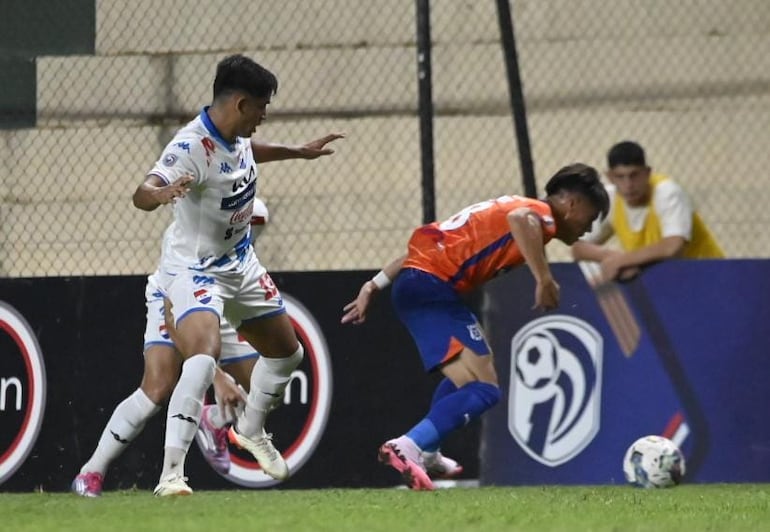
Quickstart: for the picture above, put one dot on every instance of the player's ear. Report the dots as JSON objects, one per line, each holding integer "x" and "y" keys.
{"x": 240, "y": 103}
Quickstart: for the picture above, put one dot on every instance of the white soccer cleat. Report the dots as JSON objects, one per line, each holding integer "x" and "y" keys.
{"x": 171, "y": 485}
{"x": 439, "y": 466}
{"x": 262, "y": 448}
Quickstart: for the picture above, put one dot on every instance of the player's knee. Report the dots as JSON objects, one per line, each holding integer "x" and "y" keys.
{"x": 158, "y": 388}
{"x": 488, "y": 393}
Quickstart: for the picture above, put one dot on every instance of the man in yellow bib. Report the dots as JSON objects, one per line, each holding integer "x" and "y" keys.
{"x": 652, "y": 217}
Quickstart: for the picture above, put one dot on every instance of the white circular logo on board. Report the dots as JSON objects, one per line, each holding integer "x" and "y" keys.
{"x": 22, "y": 390}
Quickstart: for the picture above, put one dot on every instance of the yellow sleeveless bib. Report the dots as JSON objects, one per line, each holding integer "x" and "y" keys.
{"x": 702, "y": 245}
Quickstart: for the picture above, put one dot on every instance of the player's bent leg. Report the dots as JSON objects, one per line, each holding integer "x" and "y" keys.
{"x": 403, "y": 455}
{"x": 457, "y": 408}
{"x": 281, "y": 353}
{"x": 436, "y": 464}
{"x": 161, "y": 369}
{"x": 184, "y": 410}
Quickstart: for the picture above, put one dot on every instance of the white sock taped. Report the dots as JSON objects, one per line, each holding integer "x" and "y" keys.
{"x": 268, "y": 381}
{"x": 184, "y": 407}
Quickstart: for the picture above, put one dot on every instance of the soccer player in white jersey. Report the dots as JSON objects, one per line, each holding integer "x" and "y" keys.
{"x": 162, "y": 364}
{"x": 209, "y": 270}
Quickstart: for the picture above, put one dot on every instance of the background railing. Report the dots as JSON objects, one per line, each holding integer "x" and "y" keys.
{"x": 91, "y": 92}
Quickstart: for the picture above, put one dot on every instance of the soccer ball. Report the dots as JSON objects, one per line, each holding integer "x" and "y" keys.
{"x": 653, "y": 462}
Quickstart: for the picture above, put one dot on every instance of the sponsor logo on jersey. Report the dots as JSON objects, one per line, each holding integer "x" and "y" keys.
{"x": 225, "y": 168}
{"x": 555, "y": 388}
{"x": 169, "y": 159}
{"x": 185, "y": 146}
{"x": 300, "y": 421}
{"x": 233, "y": 203}
{"x": 242, "y": 215}
{"x": 203, "y": 296}
{"x": 22, "y": 390}
{"x": 209, "y": 146}
{"x": 243, "y": 182}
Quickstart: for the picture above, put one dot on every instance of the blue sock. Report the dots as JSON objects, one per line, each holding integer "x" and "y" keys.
{"x": 452, "y": 412}
{"x": 444, "y": 388}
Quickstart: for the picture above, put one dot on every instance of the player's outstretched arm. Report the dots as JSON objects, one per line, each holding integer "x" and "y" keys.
{"x": 618, "y": 265}
{"x": 583, "y": 250}
{"x": 355, "y": 311}
{"x": 527, "y": 232}
{"x": 265, "y": 152}
{"x": 154, "y": 192}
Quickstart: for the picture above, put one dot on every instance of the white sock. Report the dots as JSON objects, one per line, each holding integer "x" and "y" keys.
{"x": 184, "y": 411}
{"x": 126, "y": 423}
{"x": 268, "y": 381}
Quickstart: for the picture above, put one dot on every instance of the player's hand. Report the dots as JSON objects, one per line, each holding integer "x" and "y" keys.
{"x": 546, "y": 294}
{"x": 629, "y": 273}
{"x": 612, "y": 267}
{"x": 177, "y": 189}
{"x": 230, "y": 396}
{"x": 317, "y": 148}
{"x": 355, "y": 311}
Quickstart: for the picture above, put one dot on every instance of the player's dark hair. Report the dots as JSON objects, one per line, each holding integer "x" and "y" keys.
{"x": 238, "y": 73}
{"x": 583, "y": 179}
{"x": 626, "y": 153}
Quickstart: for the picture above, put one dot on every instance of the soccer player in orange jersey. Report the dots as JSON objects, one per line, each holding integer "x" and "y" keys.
{"x": 448, "y": 259}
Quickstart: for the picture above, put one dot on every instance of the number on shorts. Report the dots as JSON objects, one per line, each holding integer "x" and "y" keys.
{"x": 267, "y": 284}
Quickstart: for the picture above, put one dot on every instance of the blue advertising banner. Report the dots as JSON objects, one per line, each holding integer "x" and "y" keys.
{"x": 680, "y": 351}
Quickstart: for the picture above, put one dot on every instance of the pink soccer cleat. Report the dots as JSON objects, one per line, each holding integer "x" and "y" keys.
{"x": 88, "y": 484}
{"x": 404, "y": 456}
{"x": 213, "y": 443}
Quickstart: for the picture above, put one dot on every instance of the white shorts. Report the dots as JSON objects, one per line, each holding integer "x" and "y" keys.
{"x": 155, "y": 333}
{"x": 237, "y": 296}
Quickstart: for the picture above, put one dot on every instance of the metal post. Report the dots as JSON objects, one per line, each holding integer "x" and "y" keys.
{"x": 425, "y": 86}
{"x": 517, "y": 97}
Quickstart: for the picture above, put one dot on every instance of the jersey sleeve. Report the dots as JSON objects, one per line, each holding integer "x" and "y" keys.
{"x": 541, "y": 209}
{"x": 180, "y": 158}
{"x": 674, "y": 209}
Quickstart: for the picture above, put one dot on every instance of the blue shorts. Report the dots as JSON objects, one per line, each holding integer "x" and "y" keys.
{"x": 438, "y": 320}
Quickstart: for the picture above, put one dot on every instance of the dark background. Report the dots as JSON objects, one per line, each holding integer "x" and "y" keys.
{"x": 91, "y": 330}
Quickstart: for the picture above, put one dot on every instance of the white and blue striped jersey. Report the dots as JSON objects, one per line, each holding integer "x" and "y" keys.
{"x": 210, "y": 230}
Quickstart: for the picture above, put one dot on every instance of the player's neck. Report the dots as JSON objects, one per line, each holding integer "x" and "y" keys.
{"x": 224, "y": 125}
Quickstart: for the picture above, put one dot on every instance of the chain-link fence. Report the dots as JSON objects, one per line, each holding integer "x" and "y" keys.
{"x": 689, "y": 80}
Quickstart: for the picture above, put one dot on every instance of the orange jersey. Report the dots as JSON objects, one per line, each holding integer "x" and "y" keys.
{"x": 475, "y": 244}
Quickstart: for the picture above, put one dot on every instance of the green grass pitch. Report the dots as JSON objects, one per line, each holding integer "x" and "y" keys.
{"x": 726, "y": 507}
